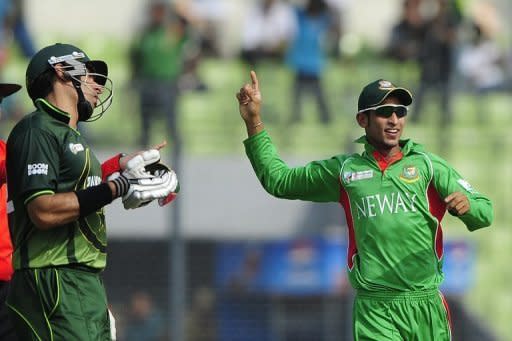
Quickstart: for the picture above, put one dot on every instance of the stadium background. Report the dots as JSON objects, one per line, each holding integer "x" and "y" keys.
{"x": 221, "y": 202}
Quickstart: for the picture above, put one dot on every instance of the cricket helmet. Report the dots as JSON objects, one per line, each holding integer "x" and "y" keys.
{"x": 75, "y": 64}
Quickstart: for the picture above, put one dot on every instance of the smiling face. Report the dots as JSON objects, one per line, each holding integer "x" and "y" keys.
{"x": 383, "y": 132}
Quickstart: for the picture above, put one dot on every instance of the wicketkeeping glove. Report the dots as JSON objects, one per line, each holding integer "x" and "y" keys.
{"x": 148, "y": 182}
{"x": 136, "y": 165}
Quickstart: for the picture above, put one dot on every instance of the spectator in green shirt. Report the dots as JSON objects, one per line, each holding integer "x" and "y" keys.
{"x": 156, "y": 58}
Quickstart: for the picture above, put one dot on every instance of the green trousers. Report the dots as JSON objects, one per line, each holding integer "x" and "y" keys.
{"x": 58, "y": 303}
{"x": 411, "y": 316}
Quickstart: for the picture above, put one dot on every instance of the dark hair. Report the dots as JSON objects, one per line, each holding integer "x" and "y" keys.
{"x": 42, "y": 85}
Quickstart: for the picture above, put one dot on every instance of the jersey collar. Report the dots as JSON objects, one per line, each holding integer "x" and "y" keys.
{"x": 52, "y": 110}
{"x": 407, "y": 146}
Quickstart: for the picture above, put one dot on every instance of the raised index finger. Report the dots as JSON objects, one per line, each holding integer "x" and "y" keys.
{"x": 254, "y": 79}
{"x": 160, "y": 145}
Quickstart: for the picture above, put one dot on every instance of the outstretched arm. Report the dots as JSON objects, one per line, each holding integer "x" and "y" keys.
{"x": 249, "y": 101}
{"x": 317, "y": 181}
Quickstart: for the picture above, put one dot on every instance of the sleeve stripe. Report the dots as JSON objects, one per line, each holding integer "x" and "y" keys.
{"x": 37, "y": 194}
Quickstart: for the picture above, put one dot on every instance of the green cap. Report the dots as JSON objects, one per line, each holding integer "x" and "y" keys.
{"x": 374, "y": 93}
{"x": 40, "y": 62}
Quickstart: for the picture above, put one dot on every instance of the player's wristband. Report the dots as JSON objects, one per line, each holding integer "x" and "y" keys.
{"x": 111, "y": 166}
{"x": 122, "y": 185}
{"x": 93, "y": 198}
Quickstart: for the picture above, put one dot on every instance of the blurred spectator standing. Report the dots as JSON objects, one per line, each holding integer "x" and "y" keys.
{"x": 13, "y": 30}
{"x": 268, "y": 27}
{"x": 201, "y": 316}
{"x": 156, "y": 58}
{"x": 406, "y": 36}
{"x": 208, "y": 19}
{"x": 145, "y": 321}
{"x": 6, "y": 8}
{"x": 337, "y": 9}
{"x": 16, "y": 22}
{"x": 201, "y": 40}
{"x": 436, "y": 58}
{"x": 482, "y": 62}
{"x": 307, "y": 57}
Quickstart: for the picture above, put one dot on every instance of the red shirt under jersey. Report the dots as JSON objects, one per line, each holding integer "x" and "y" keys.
{"x": 5, "y": 236}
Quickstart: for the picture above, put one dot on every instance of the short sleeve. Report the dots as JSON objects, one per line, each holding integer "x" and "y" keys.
{"x": 33, "y": 159}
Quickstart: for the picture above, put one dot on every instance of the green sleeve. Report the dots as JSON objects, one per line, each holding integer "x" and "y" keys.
{"x": 447, "y": 180}
{"x": 32, "y": 164}
{"x": 317, "y": 181}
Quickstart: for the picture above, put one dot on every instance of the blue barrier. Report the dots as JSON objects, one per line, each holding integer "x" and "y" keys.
{"x": 315, "y": 266}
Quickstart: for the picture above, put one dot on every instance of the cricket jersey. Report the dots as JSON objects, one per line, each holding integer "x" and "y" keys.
{"x": 46, "y": 156}
{"x": 393, "y": 209}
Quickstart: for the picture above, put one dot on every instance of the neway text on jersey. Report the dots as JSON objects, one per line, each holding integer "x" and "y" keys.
{"x": 388, "y": 203}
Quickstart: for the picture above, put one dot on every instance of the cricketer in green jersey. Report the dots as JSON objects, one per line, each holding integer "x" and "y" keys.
{"x": 394, "y": 195}
{"x": 57, "y": 190}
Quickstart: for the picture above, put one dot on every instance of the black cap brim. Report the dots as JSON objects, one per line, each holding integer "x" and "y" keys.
{"x": 7, "y": 89}
{"x": 403, "y": 95}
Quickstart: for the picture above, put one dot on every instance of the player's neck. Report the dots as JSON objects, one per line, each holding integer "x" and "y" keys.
{"x": 66, "y": 104}
{"x": 388, "y": 153}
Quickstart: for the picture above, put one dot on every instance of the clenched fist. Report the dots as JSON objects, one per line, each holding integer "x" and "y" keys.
{"x": 457, "y": 203}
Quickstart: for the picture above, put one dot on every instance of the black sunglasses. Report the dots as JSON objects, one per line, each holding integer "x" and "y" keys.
{"x": 386, "y": 110}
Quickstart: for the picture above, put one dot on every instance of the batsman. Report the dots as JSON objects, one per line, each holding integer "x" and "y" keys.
{"x": 394, "y": 195}
{"x": 57, "y": 191}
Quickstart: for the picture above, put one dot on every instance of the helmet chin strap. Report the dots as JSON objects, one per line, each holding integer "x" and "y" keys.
{"x": 83, "y": 106}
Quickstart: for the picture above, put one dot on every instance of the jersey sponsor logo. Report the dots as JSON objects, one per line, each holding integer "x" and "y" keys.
{"x": 92, "y": 181}
{"x": 390, "y": 203}
{"x": 410, "y": 174}
{"x": 466, "y": 185}
{"x": 38, "y": 169}
{"x": 356, "y": 176}
{"x": 75, "y": 148}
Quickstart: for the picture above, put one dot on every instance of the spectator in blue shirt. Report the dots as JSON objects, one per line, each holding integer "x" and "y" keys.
{"x": 307, "y": 56}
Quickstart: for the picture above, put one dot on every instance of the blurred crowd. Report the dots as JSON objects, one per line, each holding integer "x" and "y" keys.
{"x": 449, "y": 47}
{"x": 142, "y": 317}
{"x": 452, "y": 47}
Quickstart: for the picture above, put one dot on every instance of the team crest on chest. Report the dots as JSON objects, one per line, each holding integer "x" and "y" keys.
{"x": 410, "y": 174}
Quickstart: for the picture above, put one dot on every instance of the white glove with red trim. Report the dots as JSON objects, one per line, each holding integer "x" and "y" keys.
{"x": 149, "y": 180}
